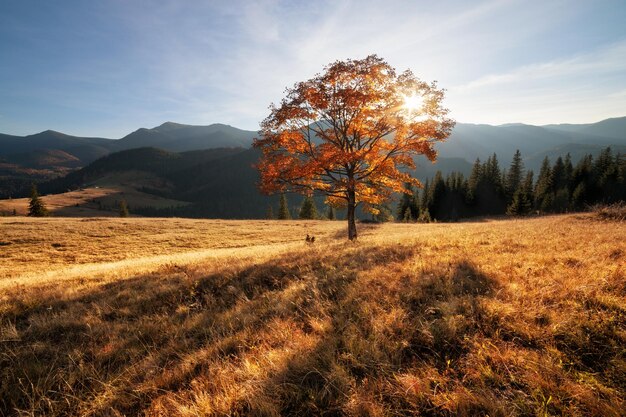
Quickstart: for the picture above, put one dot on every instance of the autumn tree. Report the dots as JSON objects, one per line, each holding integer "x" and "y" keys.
{"x": 349, "y": 132}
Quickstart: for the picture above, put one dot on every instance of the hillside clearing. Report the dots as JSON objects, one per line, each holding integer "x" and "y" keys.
{"x": 193, "y": 317}
{"x": 90, "y": 202}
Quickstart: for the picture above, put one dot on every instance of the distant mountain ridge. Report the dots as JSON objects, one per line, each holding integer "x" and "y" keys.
{"x": 471, "y": 141}
{"x": 179, "y": 138}
{"x": 168, "y": 136}
{"x": 468, "y": 141}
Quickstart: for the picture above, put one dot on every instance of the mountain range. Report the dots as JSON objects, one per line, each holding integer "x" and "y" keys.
{"x": 204, "y": 164}
{"x": 51, "y": 149}
{"x": 32, "y": 151}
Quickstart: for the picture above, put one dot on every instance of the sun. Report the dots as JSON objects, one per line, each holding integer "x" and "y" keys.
{"x": 413, "y": 103}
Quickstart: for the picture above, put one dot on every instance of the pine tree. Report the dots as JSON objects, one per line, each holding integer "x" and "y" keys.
{"x": 308, "y": 211}
{"x": 514, "y": 176}
{"x": 561, "y": 200}
{"x": 437, "y": 192}
{"x": 559, "y": 179}
{"x": 407, "y": 218}
{"x": 331, "y": 213}
{"x": 123, "y": 209}
{"x": 474, "y": 180}
{"x": 519, "y": 205}
{"x": 424, "y": 202}
{"x": 408, "y": 201}
{"x": 607, "y": 177}
{"x": 620, "y": 161}
{"x": 36, "y": 207}
{"x": 568, "y": 170}
{"x": 405, "y": 202}
{"x": 604, "y": 162}
{"x": 492, "y": 173}
{"x": 527, "y": 185}
{"x": 579, "y": 196}
{"x": 283, "y": 210}
{"x": 415, "y": 205}
{"x": 424, "y": 216}
{"x": 522, "y": 201}
{"x": 455, "y": 198}
{"x": 543, "y": 187}
{"x": 488, "y": 195}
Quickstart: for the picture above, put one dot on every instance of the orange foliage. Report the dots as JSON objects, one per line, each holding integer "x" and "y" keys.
{"x": 348, "y": 134}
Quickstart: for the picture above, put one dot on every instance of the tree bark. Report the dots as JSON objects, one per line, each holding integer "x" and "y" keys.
{"x": 351, "y": 215}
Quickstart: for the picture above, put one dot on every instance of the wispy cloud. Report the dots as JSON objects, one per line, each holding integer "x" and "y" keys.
{"x": 609, "y": 59}
{"x": 103, "y": 68}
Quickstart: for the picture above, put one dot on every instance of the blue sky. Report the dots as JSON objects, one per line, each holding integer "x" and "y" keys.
{"x": 106, "y": 68}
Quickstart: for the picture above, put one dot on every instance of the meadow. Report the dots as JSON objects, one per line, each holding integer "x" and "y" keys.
{"x": 95, "y": 201}
{"x": 160, "y": 317}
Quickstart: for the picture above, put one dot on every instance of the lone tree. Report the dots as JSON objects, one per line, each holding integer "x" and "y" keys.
{"x": 349, "y": 132}
{"x": 123, "y": 209}
{"x": 308, "y": 211}
{"x": 36, "y": 207}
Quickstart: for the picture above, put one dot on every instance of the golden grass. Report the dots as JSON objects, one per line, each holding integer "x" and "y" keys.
{"x": 512, "y": 317}
{"x": 37, "y": 249}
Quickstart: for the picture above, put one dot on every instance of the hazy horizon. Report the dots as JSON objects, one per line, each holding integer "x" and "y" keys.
{"x": 106, "y": 69}
{"x": 237, "y": 127}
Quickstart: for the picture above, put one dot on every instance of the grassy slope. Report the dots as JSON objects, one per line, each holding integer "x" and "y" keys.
{"x": 501, "y": 318}
{"x": 90, "y": 202}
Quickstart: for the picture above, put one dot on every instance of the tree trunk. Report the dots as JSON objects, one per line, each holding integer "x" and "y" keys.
{"x": 351, "y": 215}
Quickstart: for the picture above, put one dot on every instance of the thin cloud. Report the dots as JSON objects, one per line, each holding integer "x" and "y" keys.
{"x": 610, "y": 59}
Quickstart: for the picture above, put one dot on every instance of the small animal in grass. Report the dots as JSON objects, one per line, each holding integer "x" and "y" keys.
{"x": 309, "y": 239}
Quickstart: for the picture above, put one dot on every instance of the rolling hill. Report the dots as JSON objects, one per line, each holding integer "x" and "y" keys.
{"x": 221, "y": 183}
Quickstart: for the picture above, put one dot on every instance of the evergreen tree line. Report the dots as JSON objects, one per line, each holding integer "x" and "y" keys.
{"x": 560, "y": 187}
{"x": 307, "y": 211}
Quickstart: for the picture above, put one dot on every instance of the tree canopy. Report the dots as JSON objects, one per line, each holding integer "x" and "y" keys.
{"x": 349, "y": 132}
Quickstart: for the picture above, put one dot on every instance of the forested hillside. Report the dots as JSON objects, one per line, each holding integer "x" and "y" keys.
{"x": 558, "y": 187}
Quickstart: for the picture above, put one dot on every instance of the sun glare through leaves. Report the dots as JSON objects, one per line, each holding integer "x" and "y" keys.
{"x": 413, "y": 103}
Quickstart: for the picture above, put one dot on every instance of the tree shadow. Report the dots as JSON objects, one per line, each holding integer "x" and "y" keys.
{"x": 427, "y": 320}
{"x": 120, "y": 345}
{"x": 361, "y": 226}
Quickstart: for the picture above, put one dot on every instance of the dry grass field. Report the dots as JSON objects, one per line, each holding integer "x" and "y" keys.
{"x": 162, "y": 317}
